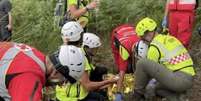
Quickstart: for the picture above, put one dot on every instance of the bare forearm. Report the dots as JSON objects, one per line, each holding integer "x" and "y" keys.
{"x": 91, "y": 86}
{"x": 78, "y": 12}
{"x": 120, "y": 81}
{"x": 166, "y": 8}
{"x": 105, "y": 86}
{"x": 9, "y": 18}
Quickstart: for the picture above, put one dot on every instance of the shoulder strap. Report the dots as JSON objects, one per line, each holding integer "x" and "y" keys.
{"x": 78, "y": 90}
{"x": 68, "y": 91}
{"x": 152, "y": 45}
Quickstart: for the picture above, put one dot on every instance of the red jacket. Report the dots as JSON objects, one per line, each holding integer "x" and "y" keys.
{"x": 24, "y": 77}
{"x": 127, "y": 37}
{"x": 182, "y": 5}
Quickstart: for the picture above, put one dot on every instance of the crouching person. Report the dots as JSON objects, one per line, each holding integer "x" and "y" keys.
{"x": 168, "y": 62}
{"x": 24, "y": 70}
{"x": 85, "y": 89}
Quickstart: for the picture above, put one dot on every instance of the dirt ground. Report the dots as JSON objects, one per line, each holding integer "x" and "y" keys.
{"x": 195, "y": 52}
{"x": 195, "y": 93}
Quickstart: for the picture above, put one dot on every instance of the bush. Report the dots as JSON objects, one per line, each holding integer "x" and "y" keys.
{"x": 33, "y": 21}
{"x": 33, "y": 24}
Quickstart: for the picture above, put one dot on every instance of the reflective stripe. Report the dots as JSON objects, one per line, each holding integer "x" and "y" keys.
{"x": 168, "y": 55}
{"x": 187, "y": 2}
{"x": 123, "y": 53}
{"x": 179, "y": 58}
{"x": 5, "y": 62}
{"x": 125, "y": 29}
{"x": 36, "y": 59}
{"x": 124, "y": 38}
{"x": 171, "y": 1}
{"x": 183, "y": 1}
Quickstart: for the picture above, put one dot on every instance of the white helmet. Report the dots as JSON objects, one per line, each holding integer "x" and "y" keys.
{"x": 91, "y": 40}
{"x": 141, "y": 49}
{"x": 72, "y": 31}
{"x": 73, "y": 58}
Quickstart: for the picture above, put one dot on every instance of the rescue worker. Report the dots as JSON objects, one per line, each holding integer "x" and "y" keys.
{"x": 71, "y": 33}
{"x": 5, "y": 20}
{"x": 123, "y": 40}
{"x": 84, "y": 90}
{"x": 168, "y": 62}
{"x": 179, "y": 18}
{"x": 24, "y": 70}
{"x": 78, "y": 10}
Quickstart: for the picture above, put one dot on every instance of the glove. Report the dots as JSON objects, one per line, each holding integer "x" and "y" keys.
{"x": 152, "y": 82}
{"x": 164, "y": 22}
{"x": 118, "y": 97}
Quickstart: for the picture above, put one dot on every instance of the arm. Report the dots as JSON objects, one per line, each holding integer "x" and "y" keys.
{"x": 122, "y": 67}
{"x": 166, "y": 8}
{"x": 90, "y": 85}
{"x": 8, "y": 7}
{"x": 120, "y": 81}
{"x": 165, "y": 21}
{"x": 9, "y": 21}
{"x": 79, "y": 12}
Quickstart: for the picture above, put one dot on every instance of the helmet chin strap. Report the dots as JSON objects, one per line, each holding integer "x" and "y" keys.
{"x": 64, "y": 70}
{"x": 147, "y": 41}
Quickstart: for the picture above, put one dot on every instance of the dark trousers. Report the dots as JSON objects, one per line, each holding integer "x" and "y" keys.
{"x": 93, "y": 96}
{"x": 97, "y": 75}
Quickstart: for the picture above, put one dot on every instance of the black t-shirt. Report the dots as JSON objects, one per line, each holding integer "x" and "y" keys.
{"x": 5, "y": 7}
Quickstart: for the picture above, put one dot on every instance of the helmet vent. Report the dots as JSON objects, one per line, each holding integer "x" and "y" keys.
{"x": 71, "y": 33}
{"x": 72, "y": 51}
{"x": 79, "y": 64}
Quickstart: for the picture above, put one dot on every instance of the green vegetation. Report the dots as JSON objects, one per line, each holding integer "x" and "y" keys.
{"x": 33, "y": 24}
{"x": 33, "y": 21}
